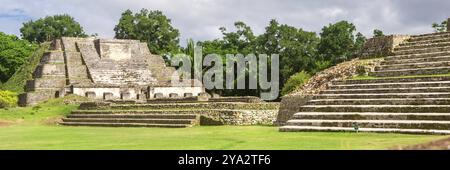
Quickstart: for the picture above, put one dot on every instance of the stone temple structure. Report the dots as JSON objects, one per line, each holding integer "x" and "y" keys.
{"x": 105, "y": 69}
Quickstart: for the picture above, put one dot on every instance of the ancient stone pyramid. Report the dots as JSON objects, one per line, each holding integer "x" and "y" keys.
{"x": 410, "y": 94}
{"x": 102, "y": 69}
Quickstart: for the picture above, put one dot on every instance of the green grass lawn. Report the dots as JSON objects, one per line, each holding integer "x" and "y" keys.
{"x": 34, "y": 128}
{"x": 201, "y": 137}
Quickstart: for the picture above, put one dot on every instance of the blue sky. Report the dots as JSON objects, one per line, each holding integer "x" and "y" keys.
{"x": 200, "y": 19}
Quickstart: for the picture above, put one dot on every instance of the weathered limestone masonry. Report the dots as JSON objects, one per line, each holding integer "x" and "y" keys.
{"x": 381, "y": 46}
{"x": 409, "y": 93}
{"x": 102, "y": 69}
{"x": 176, "y": 113}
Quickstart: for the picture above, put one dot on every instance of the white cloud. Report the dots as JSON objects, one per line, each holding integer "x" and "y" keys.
{"x": 200, "y": 19}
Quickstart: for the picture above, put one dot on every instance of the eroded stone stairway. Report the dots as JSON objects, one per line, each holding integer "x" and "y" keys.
{"x": 409, "y": 94}
{"x": 173, "y": 113}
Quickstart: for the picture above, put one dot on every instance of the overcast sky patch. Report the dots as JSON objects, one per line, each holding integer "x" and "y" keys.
{"x": 201, "y": 19}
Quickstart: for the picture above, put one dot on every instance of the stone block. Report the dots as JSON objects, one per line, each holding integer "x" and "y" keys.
{"x": 33, "y": 98}
{"x": 448, "y": 24}
{"x": 381, "y": 46}
{"x": 141, "y": 96}
{"x": 289, "y": 106}
{"x": 203, "y": 97}
{"x": 95, "y": 106}
{"x": 53, "y": 56}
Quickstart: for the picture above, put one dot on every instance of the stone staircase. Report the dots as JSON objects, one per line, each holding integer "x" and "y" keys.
{"x": 169, "y": 114}
{"x": 132, "y": 118}
{"x": 409, "y": 94}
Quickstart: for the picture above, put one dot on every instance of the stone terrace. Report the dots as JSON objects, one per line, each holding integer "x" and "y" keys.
{"x": 175, "y": 113}
{"x": 102, "y": 69}
{"x": 410, "y": 93}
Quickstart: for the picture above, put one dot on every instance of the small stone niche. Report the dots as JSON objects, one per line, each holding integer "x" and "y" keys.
{"x": 159, "y": 95}
{"x": 173, "y": 95}
{"x": 141, "y": 96}
{"x": 125, "y": 95}
{"x": 108, "y": 96}
{"x": 90, "y": 94}
{"x": 188, "y": 95}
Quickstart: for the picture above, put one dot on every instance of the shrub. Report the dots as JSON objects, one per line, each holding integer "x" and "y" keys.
{"x": 295, "y": 81}
{"x": 8, "y": 99}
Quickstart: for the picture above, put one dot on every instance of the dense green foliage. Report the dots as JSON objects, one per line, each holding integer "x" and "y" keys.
{"x": 51, "y": 27}
{"x": 8, "y": 99}
{"x": 338, "y": 42}
{"x": 442, "y": 27}
{"x": 13, "y": 53}
{"x": 377, "y": 33}
{"x": 295, "y": 81}
{"x": 297, "y": 48}
{"x": 18, "y": 80}
{"x": 152, "y": 27}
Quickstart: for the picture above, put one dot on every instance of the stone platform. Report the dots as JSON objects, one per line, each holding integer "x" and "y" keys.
{"x": 102, "y": 69}
{"x": 408, "y": 93}
{"x": 169, "y": 114}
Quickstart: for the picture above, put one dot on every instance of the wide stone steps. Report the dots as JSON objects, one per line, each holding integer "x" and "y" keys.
{"x": 382, "y": 101}
{"x": 423, "y": 42}
{"x": 422, "y": 46}
{"x": 131, "y": 120}
{"x": 422, "y": 51}
{"x": 388, "y": 90}
{"x": 371, "y": 116}
{"x": 418, "y": 60}
{"x": 391, "y": 85}
{"x": 381, "y": 95}
{"x": 393, "y": 80}
{"x": 401, "y": 124}
{"x": 199, "y": 106}
{"x": 401, "y": 99}
{"x": 350, "y": 129}
{"x": 413, "y": 65}
{"x": 426, "y": 37}
{"x": 410, "y": 72}
{"x": 377, "y": 108}
{"x": 417, "y": 56}
{"x": 124, "y": 124}
{"x": 135, "y": 116}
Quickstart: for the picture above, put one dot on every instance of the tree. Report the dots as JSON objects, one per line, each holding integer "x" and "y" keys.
{"x": 152, "y": 27}
{"x": 337, "y": 42}
{"x": 13, "y": 53}
{"x": 442, "y": 27}
{"x": 377, "y": 33}
{"x": 51, "y": 27}
{"x": 360, "y": 40}
{"x": 297, "y": 48}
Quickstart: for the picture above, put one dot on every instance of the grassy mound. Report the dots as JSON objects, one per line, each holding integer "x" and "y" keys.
{"x": 17, "y": 82}
{"x": 43, "y": 112}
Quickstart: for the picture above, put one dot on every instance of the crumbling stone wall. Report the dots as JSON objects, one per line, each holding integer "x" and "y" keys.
{"x": 381, "y": 46}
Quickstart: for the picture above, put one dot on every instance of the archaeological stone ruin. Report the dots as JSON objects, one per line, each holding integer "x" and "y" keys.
{"x": 128, "y": 86}
{"x": 104, "y": 69}
{"x": 409, "y": 92}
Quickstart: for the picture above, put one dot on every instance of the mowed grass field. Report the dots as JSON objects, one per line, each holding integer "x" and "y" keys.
{"x": 35, "y": 128}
